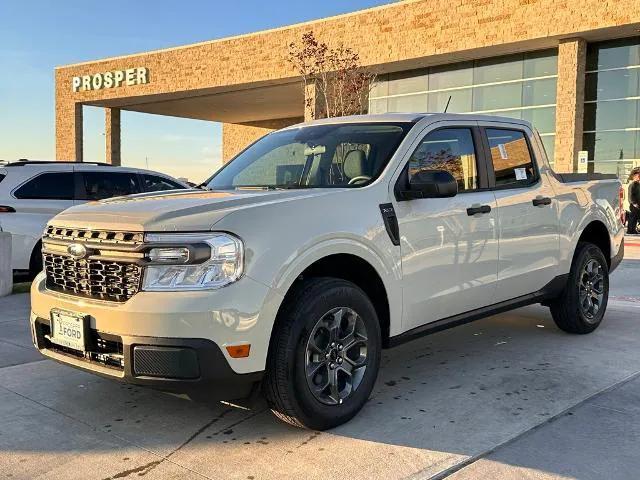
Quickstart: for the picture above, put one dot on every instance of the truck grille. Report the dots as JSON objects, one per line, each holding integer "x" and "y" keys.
{"x": 98, "y": 279}
{"x": 94, "y": 236}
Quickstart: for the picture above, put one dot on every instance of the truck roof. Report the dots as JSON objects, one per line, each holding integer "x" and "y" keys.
{"x": 411, "y": 118}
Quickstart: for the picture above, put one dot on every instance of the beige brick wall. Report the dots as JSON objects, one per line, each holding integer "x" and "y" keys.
{"x": 572, "y": 58}
{"x": 237, "y": 136}
{"x": 392, "y": 37}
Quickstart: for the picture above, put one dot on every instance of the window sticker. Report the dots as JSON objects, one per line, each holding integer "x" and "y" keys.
{"x": 521, "y": 173}
{"x": 503, "y": 151}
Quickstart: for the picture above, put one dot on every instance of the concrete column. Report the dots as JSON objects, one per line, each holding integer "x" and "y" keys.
{"x": 69, "y": 131}
{"x": 572, "y": 60}
{"x": 312, "y": 105}
{"x": 6, "y": 273}
{"x": 112, "y": 135}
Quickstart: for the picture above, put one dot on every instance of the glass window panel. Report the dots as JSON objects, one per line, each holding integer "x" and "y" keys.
{"x": 549, "y": 142}
{"x": 539, "y": 92}
{"x": 380, "y": 87}
{"x": 408, "y": 82}
{"x": 378, "y": 105}
{"x": 497, "y": 96}
{"x": 621, "y": 169}
{"x": 449, "y": 149}
{"x": 610, "y": 115}
{"x": 460, "y": 101}
{"x": 544, "y": 119}
{"x": 612, "y": 84}
{"x": 517, "y": 114}
{"x": 450, "y": 76}
{"x": 498, "y": 70}
{"x": 613, "y": 54}
{"x": 611, "y": 145}
{"x": 511, "y": 157}
{"x": 408, "y": 103}
{"x": 540, "y": 64}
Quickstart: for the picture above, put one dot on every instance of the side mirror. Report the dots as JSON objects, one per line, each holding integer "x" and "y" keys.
{"x": 431, "y": 184}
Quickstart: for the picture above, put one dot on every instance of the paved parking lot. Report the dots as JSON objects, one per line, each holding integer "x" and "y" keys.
{"x": 506, "y": 397}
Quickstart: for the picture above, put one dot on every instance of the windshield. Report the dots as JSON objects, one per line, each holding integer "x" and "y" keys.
{"x": 338, "y": 155}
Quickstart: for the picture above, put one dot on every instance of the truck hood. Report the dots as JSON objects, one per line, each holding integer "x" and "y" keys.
{"x": 176, "y": 211}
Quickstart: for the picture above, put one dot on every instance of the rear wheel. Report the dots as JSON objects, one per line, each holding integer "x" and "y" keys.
{"x": 324, "y": 355}
{"x": 582, "y": 305}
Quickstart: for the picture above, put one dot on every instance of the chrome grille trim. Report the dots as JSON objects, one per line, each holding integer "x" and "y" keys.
{"x": 94, "y": 236}
{"x": 92, "y": 278}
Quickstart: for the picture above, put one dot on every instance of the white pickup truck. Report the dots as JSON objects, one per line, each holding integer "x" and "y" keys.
{"x": 316, "y": 247}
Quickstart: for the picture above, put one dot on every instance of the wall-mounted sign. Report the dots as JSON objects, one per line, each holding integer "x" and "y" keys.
{"x": 583, "y": 159}
{"x": 113, "y": 79}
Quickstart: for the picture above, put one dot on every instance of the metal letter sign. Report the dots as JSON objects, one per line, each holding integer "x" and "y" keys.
{"x": 113, "y": 79}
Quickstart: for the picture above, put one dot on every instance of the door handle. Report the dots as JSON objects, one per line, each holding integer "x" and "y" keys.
{"x": 478, "y": 209}
{"x": 541, "y": 201}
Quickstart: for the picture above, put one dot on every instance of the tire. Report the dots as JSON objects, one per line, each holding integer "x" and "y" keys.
{"x": 301, "y": 341}
{"x": 35, "y": 262}
{"x": 568, "y": 311}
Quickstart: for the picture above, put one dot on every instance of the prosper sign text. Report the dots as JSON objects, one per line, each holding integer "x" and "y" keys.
{"x": 113, "y": 79}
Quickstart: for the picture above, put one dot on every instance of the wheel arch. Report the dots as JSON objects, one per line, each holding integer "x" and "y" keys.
{"x": 351, "y": 267}
{"x": 597, "y": 233}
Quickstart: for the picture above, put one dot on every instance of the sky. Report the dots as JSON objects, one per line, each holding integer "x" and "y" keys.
{"x": 38, "y": 35}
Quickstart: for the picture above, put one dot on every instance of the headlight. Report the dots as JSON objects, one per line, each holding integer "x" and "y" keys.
{"x": 192, "y": 261}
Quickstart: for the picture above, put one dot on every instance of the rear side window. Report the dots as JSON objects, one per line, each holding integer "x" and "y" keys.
{"x": 49, "y": 186}
{"x": 155, "y": 183}
{"x": 2, "y": 175}
{"x": 101, "y": 185}
{"x": 511, "y": 157}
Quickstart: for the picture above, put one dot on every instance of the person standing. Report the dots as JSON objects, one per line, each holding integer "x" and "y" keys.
{"x": 634, "y": 202}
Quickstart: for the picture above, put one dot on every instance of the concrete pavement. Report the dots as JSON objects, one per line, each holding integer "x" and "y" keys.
{"x": 505, "y": 397}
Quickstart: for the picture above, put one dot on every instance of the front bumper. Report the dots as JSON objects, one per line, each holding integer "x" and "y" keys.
{"x": 179, "y": 337}
{"x": 193, "y": 366}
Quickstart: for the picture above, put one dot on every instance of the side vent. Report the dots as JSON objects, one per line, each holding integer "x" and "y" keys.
{"x": 390, "y": 222}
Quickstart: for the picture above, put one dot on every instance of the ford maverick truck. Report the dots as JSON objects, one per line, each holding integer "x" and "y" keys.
{"x": 318, "y": 246}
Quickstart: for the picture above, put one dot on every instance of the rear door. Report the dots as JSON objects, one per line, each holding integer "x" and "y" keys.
{"x": 526, "y": 211}
{"x": 36, "y": 201}
{"x": 449, "y": 246}
{"x": 98, "y": 185}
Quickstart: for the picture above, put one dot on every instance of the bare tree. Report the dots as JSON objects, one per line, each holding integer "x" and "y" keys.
{"x": 342, "y": 85}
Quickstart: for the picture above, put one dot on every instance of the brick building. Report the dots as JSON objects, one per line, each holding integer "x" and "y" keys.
{"x": 572, "y": 67}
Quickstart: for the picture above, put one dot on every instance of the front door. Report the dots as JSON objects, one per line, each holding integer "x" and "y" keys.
{"x": 449, "y": 246}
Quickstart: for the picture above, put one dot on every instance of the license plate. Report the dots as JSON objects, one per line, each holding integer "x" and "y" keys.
{"x": 68, "y": 329}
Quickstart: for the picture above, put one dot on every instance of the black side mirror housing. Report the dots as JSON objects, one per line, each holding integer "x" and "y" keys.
{"x": 430, "y": 184}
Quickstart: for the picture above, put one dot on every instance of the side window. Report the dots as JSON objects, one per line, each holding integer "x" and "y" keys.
{"x": 155, "y": 183}
{"x": 511, "y": 157}
{"x": 100, "y": 185}
{"x": 49, "y": 186}
{"x": 450, "y": 149}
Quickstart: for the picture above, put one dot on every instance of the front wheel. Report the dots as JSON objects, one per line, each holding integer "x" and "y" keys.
{"x": 582, "y": 305}
{"x": 325, "y": 354}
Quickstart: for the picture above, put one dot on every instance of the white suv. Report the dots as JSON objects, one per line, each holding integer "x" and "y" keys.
{"x": 33, "y": 192}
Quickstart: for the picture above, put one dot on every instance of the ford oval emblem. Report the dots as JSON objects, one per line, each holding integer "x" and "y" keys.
{"x": 77, "y": 250}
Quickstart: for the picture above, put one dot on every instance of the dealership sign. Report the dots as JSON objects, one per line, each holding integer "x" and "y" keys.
{"x": 113, "y": 79}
